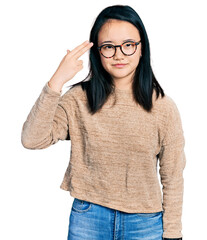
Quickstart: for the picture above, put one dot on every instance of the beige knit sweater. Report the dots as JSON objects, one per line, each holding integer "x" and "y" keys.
{"x": 113, "y": 152}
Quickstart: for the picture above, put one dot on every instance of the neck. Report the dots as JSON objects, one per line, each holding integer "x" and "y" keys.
{"x": 124, "y": 83}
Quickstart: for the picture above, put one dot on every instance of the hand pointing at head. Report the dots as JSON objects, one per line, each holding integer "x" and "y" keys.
{"x": 69, "y": 66}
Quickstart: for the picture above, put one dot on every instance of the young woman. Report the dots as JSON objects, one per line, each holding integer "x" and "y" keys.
{"x": 120, "y": 124}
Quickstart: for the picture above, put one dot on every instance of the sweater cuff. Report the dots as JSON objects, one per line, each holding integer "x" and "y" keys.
{"x": 50, "y": 91}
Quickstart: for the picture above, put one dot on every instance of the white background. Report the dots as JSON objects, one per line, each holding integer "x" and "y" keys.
{"x": 35, "y": 36}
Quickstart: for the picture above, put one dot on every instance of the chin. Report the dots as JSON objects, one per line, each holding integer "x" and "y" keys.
{"x": 120, "y": 75}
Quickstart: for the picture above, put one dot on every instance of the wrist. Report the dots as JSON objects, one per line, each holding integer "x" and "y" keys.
{"x": 55, "y": 86}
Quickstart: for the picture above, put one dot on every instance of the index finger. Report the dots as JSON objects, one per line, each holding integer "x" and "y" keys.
{"x": 82, "y": 50}
{"x": 76, "y": 49}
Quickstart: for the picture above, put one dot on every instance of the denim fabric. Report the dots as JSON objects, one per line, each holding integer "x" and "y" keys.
{"x": 90, "y": 221}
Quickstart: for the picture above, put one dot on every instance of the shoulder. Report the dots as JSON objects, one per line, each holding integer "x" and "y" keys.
{"x": 73, "y": 93}
{"x": 165, "y": 104}
{"x": 166, "y": 111}
{"x": 72, "y": 98}
{"x": 169, "y": 119}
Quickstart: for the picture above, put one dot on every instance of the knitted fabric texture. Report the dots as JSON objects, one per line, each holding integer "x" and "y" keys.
{"x": 113, "y": 157}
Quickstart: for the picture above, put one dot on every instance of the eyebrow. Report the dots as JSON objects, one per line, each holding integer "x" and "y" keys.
{"x": 123, "y": 41}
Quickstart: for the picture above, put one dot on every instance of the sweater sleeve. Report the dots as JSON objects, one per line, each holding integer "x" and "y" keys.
{"x": 172, "y": 162}
{"x": 47, "y": 121}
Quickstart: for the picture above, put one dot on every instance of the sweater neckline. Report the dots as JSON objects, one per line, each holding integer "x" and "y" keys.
{"x": 127, "y": 91}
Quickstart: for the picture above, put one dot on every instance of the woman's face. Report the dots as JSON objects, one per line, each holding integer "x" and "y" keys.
{"x": 117, "y": 32}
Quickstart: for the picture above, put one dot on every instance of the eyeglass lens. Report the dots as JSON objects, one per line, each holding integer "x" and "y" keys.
{"x": 128, "y": 48}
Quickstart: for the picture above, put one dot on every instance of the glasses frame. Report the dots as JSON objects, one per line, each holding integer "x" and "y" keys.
{"x": 115, "y": 46}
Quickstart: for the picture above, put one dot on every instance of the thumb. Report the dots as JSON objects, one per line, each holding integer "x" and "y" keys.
{"x": 68, "y": 51}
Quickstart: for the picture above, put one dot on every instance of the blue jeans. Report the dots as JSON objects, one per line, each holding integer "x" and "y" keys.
{"x": 90, "y": 221}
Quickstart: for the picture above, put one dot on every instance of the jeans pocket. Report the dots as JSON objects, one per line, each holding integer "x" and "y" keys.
{"x": 81, "y": 206}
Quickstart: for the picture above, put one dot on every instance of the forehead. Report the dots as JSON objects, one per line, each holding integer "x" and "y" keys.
{"x": 117, "y": 31}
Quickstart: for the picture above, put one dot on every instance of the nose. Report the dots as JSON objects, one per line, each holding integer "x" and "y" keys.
{"x": 118, "y": 53}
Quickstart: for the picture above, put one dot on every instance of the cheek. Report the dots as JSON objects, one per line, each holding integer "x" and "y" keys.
{"x": 135, "y": 61}
{"x": 105, "y": 63}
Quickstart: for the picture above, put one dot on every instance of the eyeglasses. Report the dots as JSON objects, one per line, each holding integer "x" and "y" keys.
{"x": 109, "y": 50}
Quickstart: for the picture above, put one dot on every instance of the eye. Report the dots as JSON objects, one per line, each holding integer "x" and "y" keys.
{"x": 108, "y": 47}
{"x": 129, "y": 44}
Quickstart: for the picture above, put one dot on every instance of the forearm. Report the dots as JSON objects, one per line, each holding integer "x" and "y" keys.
{"x": 37, "y": 129}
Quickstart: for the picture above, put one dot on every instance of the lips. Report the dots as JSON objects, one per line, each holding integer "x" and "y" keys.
{"x": 119, "y": 65}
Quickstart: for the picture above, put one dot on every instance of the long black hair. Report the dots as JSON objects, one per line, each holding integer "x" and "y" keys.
{"x": 99, "y": 84}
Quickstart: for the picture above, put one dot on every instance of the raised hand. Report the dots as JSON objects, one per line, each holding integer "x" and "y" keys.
{"x": 69, "y": 66}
